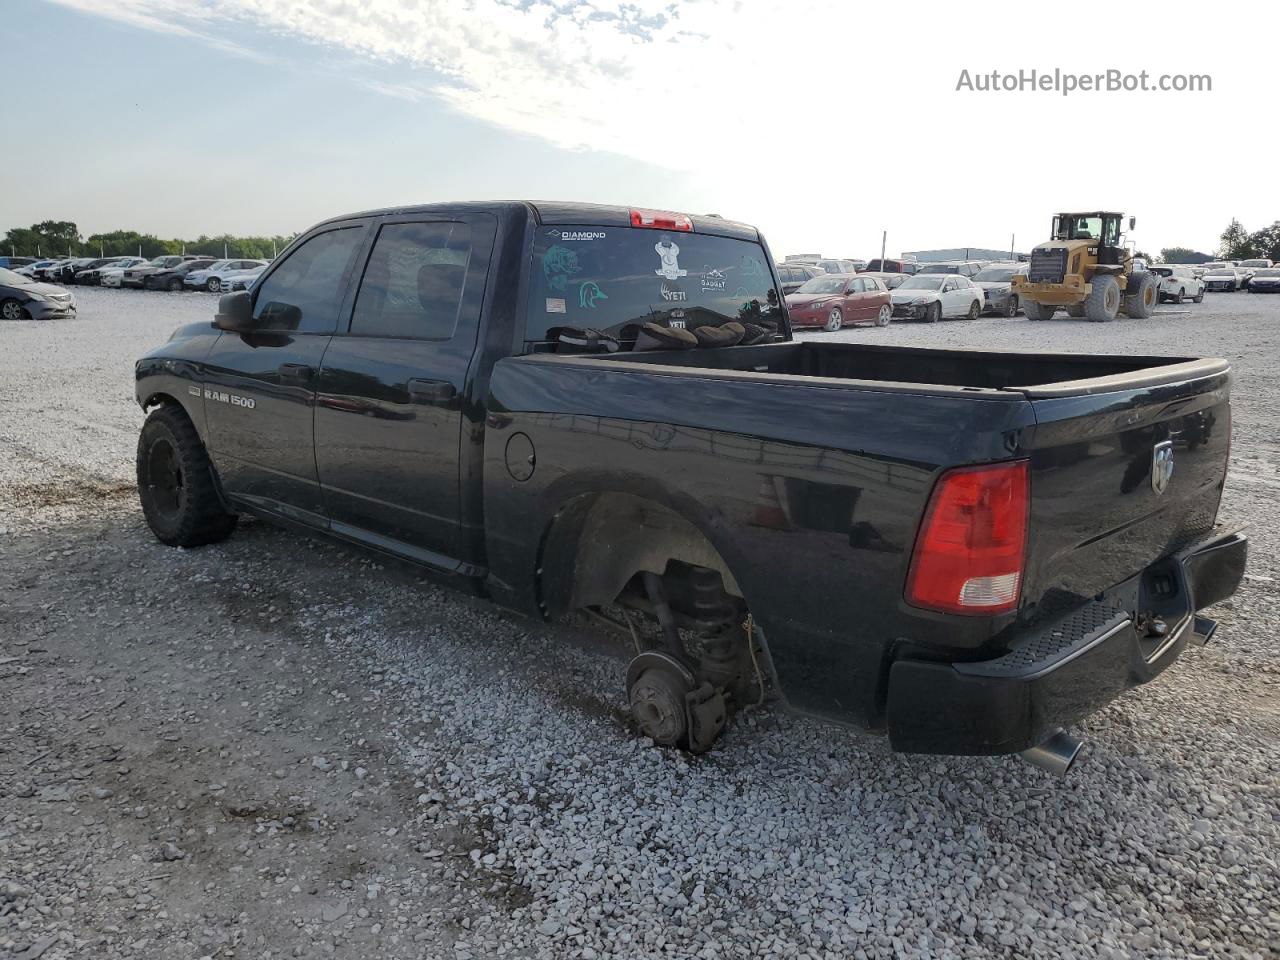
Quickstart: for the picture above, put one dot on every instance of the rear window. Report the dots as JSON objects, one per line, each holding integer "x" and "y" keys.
{"x": 615, "y": 278}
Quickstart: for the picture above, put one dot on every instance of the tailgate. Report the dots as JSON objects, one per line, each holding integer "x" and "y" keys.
{"x": 1121, "y": 478}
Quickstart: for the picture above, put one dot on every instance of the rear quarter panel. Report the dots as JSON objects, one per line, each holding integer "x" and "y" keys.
{"x": 811, "y": 494}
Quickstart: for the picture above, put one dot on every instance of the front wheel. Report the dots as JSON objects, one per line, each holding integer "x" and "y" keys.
{"x": 933, "y": 313}
{"x": 175, "y": 285}
{"x": 835, "y": 320}
{"x": 11, "y": 310}
{"x": 1011, "y": 306}
{"x": 884, "y": 315}
{"x": 213, "y": 285}
{"x": 975, "y": 309}
{"x": 1199, "y": 297}
{"x": 176, "y": 482}
{"x": 1180, "y": 296}
{"x": 1103, "y": 303}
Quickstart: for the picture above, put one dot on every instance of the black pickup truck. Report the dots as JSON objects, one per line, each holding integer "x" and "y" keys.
{"x": 574, "y": 406}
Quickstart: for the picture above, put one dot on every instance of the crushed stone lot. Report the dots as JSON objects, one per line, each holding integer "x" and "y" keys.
{"x": 278, "y": 747}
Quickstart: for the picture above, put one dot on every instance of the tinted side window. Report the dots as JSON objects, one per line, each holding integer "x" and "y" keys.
{"x": 413, "y": 284}
{"x": 304, "y": 293}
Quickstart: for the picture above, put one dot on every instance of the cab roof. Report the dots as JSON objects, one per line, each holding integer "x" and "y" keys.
{"x": 559, "y": 212}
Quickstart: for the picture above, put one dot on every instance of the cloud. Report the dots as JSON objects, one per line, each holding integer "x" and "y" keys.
{"x": 824, "y": 121}
{"x": 177, "y": 17}
{"x": 399, "y": 91}
{"x": 638, "y": 77}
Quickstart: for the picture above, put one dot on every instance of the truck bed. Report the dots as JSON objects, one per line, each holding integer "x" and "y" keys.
{"x": 813, "y": 463}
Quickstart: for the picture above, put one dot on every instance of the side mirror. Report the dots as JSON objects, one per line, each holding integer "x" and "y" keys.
{"x": 235, "y": 312}
{"x": 1132, "y": 222}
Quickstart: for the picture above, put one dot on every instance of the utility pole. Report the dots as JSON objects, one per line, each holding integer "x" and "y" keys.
{"x": 884, "y": 238}
{"x": 224, "y": 252}
{"x": 1012, "y": 245}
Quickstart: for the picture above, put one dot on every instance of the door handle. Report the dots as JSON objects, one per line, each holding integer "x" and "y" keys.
{"x": 431, "y": 391}
{"x": 297, "y": 372}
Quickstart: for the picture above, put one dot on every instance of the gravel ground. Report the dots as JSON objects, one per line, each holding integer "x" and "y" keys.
{"x": 277, "y": 747}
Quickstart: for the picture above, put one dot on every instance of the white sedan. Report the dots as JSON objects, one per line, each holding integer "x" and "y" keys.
{"x": 1178, "y": 283}
{"x": 241, "y": 279}
{"x": 213, "y": 277}
{"x": 932, "y": 296}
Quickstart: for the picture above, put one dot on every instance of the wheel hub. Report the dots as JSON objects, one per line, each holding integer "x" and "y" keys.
{"x": 658, "y": 705}
{"x": 164, "y": 477}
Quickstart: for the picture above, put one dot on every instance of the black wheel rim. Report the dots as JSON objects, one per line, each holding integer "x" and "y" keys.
{"x": 164, "y": 478}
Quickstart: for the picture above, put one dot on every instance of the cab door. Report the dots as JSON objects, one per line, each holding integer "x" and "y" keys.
{"x": 392, "y": 432}
{"x": 259, "y": 388}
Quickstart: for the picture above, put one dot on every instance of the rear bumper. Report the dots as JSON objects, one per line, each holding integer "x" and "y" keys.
{"x": 1063, "y": 670}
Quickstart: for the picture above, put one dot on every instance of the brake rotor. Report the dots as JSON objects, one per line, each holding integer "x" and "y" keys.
{"x": 658, "y": 685}
{"x": 657, "y": 704}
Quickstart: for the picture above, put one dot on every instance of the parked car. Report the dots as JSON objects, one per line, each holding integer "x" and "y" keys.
{"x": 891, "y": 266}
{"x": 174, "y": 278}
{"x": 792, "y": 275}
{"x": 88, "y": 273}
{"x": 934, "y": 296}
{"x": 22, "y": 298}
{"x": 1250, "y": 268}
{"x": 1266, "y": 280}
{"x": 50, "y": 269}
{"x": 66, "y": 272}
{"x": 1222, "y": 280}
{"x": 241, "y": 279}
{"x": 13, "y": 263}
{"x": 964, "y": 268}
{"x": 996, "y": 283}
{"x": 92, "y": 276}
{"x": 210, "y": 278}
{"x": 967, "y": 550}
{"x": 30, "y": 269}
{"x": 137, "y": 276}
{"x": 840, "y": 266}
{"x": 114, "y": 276}
{"x": 833, "y": 300}
{"x": 891, "y": 281}
{"x": 1177, "y": 283}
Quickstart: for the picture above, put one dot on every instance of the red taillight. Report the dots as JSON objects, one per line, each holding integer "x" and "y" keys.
{"x": 970, "y": 550}
{"x": 661, "y": 220}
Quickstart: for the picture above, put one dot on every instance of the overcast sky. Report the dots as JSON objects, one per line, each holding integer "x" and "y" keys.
{"x": 822, "y": 123}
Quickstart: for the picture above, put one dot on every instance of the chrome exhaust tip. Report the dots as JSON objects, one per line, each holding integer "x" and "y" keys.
{"x": 1057, "y": 754}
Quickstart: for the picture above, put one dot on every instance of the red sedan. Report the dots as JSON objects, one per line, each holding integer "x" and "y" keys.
{"x": 832, "y": 301}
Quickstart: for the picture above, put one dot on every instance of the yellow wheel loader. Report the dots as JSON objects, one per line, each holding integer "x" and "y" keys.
{"x": 1086, "y": 268}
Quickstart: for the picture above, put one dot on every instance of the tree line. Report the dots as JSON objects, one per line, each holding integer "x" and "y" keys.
{"x": 1236, "y": 243}
{"x": 62, "y": 238}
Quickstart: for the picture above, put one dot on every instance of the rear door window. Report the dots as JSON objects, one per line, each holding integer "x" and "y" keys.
{"x": 413, "y": 284}
{"x": 616, "y": 278}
